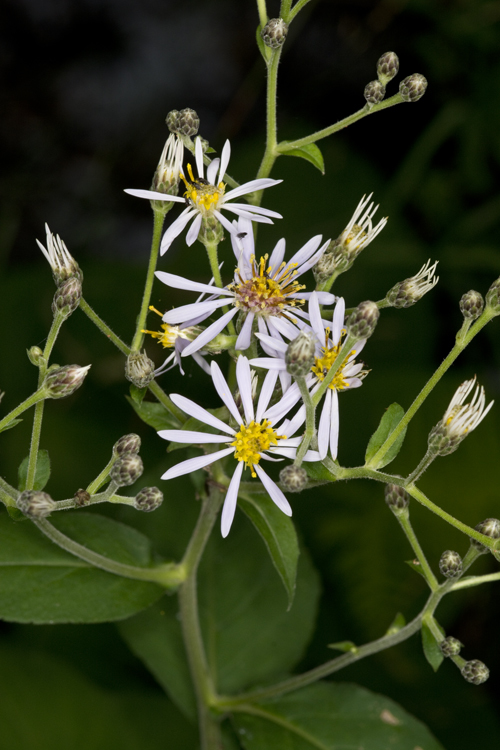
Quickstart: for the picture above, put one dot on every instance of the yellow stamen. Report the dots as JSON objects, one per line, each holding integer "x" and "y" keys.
{"x": 323, "y": 364}
{"x": 251, "y": 440}
{"x": 201, "y": 194}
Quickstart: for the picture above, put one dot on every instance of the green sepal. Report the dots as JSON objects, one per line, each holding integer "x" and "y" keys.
{"x": 432, "y": 652}
{"x": 390, "y": 420}
{"x": 42, "y": 471}
{"x": 310, "y": 153}
{"x": 154, "y": 414}
{"x": 345, "y": 646}
{"x": 137, "y": 394}
{"x": 396, "y": 625}
{"x": 10, "y": 425}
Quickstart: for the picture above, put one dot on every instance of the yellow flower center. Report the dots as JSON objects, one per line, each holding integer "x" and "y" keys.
{"x": 268, "y": 291}
{"x": 169, "y": 335}
{"x": 251, "y": 440}
{"x": 201, "y": 194}
{"x": 323, "y": 364}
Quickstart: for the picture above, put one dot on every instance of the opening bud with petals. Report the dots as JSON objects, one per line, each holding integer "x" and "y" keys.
{"x": 407, "y": 292}
{"x": 459, "y": 419}
{"x": 62, "y": 263}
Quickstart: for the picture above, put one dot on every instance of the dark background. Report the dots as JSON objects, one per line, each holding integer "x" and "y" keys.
{"x": 86, "y": 85}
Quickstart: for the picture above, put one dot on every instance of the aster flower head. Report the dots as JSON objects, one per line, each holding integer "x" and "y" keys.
{"x": 407, "y": 292}
{"x": 207, "y": 198}
{"x": 176, "y": 338}
{"x": 264, "y": 290}
{"x": 348, "y": 376}
{"x": 259, "y": 435}
{"x": 460, "y": 418}
{"x": 62, "y": 263}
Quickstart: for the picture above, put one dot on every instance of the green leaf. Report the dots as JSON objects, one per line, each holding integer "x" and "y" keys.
{"x": 279, "y": 535}
{"x": 415, "y": 565}
{"x": 10, "y": 425}
{"x": 42, "y": 471}
{"x": 41, "y": 583}
{"x": 264, "y": 51}
{"x": 432, "y": 652}
{"x": 154, "y": 414}
{"x": 392, "y": 417}
{"x": 396, "y": 625}
{"x": 310, "y": 153}
{"x": 249, "y": 634}
{"x": 137, "y": 394}
{"x": 67, "y": 710}
{"x": 345, "y": 646}
{"x": 332, "y": 716}
{"x": 319, "y": 472}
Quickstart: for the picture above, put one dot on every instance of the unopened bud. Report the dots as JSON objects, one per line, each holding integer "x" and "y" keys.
{"x": 396, "y": 498}
{"x": 450, "y": 564}
{"x": 413, "y": 87}
{"x": 172, "y": 120}
{"x": 293, "y": 478}
{"x": 67, "y": 297}
{"x": 387, "y": 67}
{"x": 274, "y": 33}
{"x": 493, "y": 297}
{"x": 63, "y": 381}
{"x": 472, "y": 305}
{"x": 490, "y": 527}
{"x": 475, "y": 671}
{"x": 35, "y": 504}
{"x": 127, "y": 444}
{"x": 35, "y": 355}
{"x": 450, "y": 646}
{"x": 409, "y": 291}
{"x": 188, "y": 122}
{"x": 374, "y": 92}
{"x": 148, "y": 499}
{"x": 81, "y": 498}
{"x": 299, "y": 356}
{"x": 127, "y": 469}
{"x": 139, "y": 369}
{"x": 363, "y": 320}
{"x": 211, "y": 231}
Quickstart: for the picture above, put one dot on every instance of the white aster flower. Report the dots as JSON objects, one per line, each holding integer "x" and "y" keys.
{"x": 460, "y": 418}
{"x": 350, "y": 374}
{"x": 265, "y": 290}
{"x": 257, "y": 436}
{"x": 61, "y": 261}
{"x": 206, "y": 198}
{"x": 406, "y": 293}
{"x": 360, "y": 230}
{"x": 176, "y": 338}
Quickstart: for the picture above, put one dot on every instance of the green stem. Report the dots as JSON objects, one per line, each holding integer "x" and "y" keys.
{"x": 104, "y": 328}
{"x": 162, "y": 397}
{"x": 159, "y": 218}
{"x": 404, "y": 521}
{"x": 27, "y": 404}
{"x": 270, "y": 153}
{"x": 310, "y": 420}
{"x": 295, "y": 10}
{"x": 101, "y": 497}
{"x": 336, "y": 364}
{"x": 431, "y": 383}
{"x": 469, "y": 582}
{"x": 167, "y": 575}
{"x": 101, "y": 477}
{"x": 262, "y": 10}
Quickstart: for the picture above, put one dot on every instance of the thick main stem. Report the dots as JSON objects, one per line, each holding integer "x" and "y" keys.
{"x": 159, "y": 218}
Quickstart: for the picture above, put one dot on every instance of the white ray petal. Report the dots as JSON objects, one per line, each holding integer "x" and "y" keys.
{"x": 209, "y": 333}
{"x": 224, "y": 391}
{"x": 212, "y": 170}
{"x": 274, "y": 491}
{"x": 245, "y": 337}
{"x": 267, "y": 391}
{"x": 186, "y": 312}
{"x": 231, "y": 499}
{"x": 176, "y": 228}
{"x": 244, "y": 379}
{"x": 153, "y": 195}
{"x": 338, "y": 320}
{"x": 192, "y": 464}
{"x": 224, "y": 160}
{"x": 198, "y": 152}
{"x": 334, "y": 424}
{"x": 194, "y": 230}
{"x": 306, "y": 251}
{"x": 250, "y": 187}
{"x": 198, "y": 412}
{"x": 324, "y": 424}
{"x": 189, "y": 436}
{"x": 179, "y": 282}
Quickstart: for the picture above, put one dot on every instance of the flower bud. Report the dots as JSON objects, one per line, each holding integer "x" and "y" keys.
{"x": 130, "y": 443}
{"x": 459, "y": 419}
{"x": 211, "y": 231}
{"x": 299, "y": 356}
{"x": 490, "y": 527}
{"x": 139, "y": 369}
{"x": 475, "y": 671}
{"x": 413, "y": 87}
{"x": 328, "y": 264}
{"x": 387, "y": 67}
{"x": 172, "y": 120}
{"x": 67, "y": 297}
{"x": 361, "y": 323}
{"x": 293, "y": 478}
{"x": 406, "y": 293}
{"x": 274, "y": 33}
{"x": 472, "y": 305}
{"x": 188, "y": 122}
{"x": 127, "y": 469}
{"x": 374, "y": 92}
{"x": 63, "y": 381}
{"x": 493, "y": 297}
{"x": 35, "y": 504}
{"x": 148, "y": 499}
{"x": 450, "y": 564}
{"x": 35, "y": 355}
{"x": 62, "y": 263}
{"x": 450, "y": 646}
{"x": 81, "y": 498}
{"x": 396, "y": 497}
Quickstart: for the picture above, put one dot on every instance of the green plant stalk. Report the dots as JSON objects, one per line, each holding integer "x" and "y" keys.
{"x": 27, "y": 404}
{"x": 487, "y": 315}
{"x": 101, "y": 497}
{"x": 336, "y": 364}
{"x": 101, "y": 477}
{"x": 262, "y": 10}
{"x": 104, "y": 328}
{"x": 270, "y": 153}
{"x": 296, "y": 9}
{"x": 404, "y": 521}
{"x": 327, "y": 285}
{"x": 162, "y": 397}
{"x": 310, "y": 420}
{"x": 470, "y": 581}
{"x": 159, "y": 218}
{"x": 188, "y": 602}
{"x": 167, "y": 575}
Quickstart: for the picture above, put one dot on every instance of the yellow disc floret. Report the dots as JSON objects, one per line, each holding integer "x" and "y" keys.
{"x": 202, "y": 194}
{"x": 328, "y": 356}
{"x": 268, "y": 291}
{"x": 251, "y": 440}
{"x": 169, "y": 335}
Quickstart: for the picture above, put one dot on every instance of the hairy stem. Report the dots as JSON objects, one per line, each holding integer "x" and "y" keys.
{"x": 159, "y": 218}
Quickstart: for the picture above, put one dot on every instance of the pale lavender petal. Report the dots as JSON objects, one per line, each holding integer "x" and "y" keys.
{"x": 350, "y": 372}
{"x": 154, "y": 195}
{"x": 324, "y": 298}
{"x": 277, "y": 255}
{"x": 338, "y": 320}
{"x": 312, "y": 456}
{"x": 193, "y": 231}
{"x": 243, "y": 246}
{"x": 198, "y": 152}
{"x": 315, "y": 316}
{"x": 186, "y": 312}
{"x": 355, "y": 383}
{"x": 360, "y": 345}
{"x": 297, "y": 421}
{"x": 224, "y": 391}
{"x": 247, "y": 214}
{"x": 267, "y": 391}
{"x": 313, "y": 260}
{"x": 209, "y": 333}
{"x": 287, "y": 402}
{"x": 249, "y": 208}
{"x": 274, "y": 491}
{"x": 176, "y": 228}
{"x": 283, "y": 326}
{"x": 244, "y": 339}
{"x": 202, "y": 362}
{"x": 192, "y": 464}
{"x": 305, "y": 252}
{"x": 324, "y": 424}
{"x": 225, "y": 222}
{"x": 179, "y": 282}
{"x": 188, "y": 436}
{"x": 224, "y": 159}
{"x": 199, "y": 413}
{"x": 249, "y": 187}
{"x": 334, "y": 425}
{"x": 269, "y": 363}
{"x": 212, "y": 170}
{"x": 276, "y": 344}
{"x": 244, "y": 379}
{"x": 229, "y": 507}
{"x": 285, "y": 379}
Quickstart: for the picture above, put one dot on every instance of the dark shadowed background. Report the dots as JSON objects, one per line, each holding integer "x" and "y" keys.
{"x": 86, "y": 85}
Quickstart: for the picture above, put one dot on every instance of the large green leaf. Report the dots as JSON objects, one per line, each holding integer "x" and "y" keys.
{"x": 48, "y": 705}
{"x": 332, "y": 716}
{"x": 279, "y": 535}
{"x": 42, "y": 471}
{"x": 310, "y": 153}
{"x": 41, "y": 583}
{"x": 390, "y": 420}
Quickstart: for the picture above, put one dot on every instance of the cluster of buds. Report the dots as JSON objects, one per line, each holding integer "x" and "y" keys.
{"x": 406, "y": 293}
{"x": 127, "y": 469}
{"x": 387, "y": 68}
{"x": 186, "y": 122}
